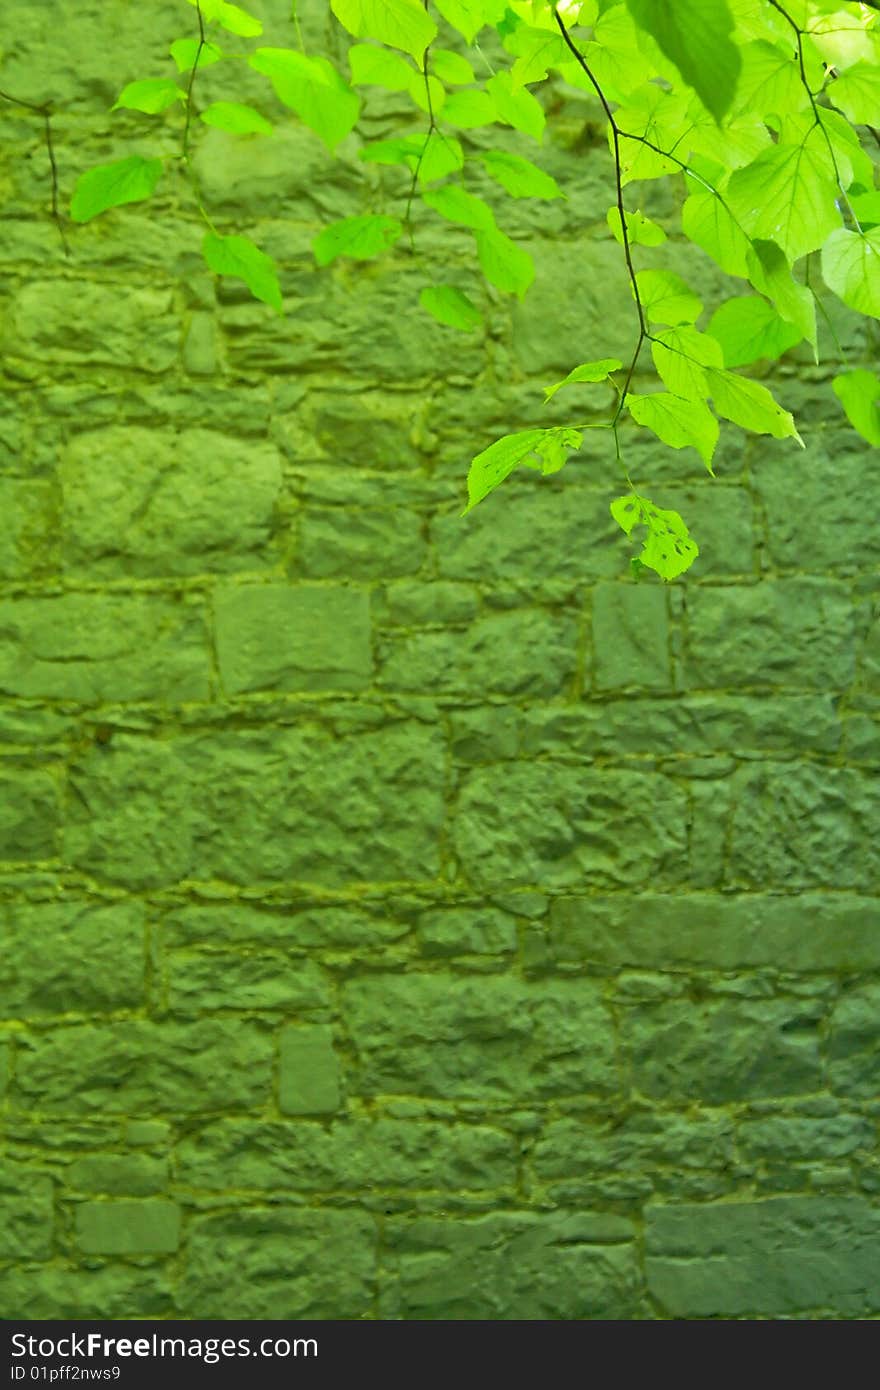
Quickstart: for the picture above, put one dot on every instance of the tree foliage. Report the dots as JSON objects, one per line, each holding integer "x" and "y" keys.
{"x": 764, "y": 113}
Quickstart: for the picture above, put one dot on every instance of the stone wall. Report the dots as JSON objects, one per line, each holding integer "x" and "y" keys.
{"x": 406, "y": 916}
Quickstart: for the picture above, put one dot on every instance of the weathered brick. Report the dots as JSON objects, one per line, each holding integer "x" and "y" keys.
{"x": 94, "y": 647}
{"x": 70, "y": 1289}
{"x": 568, "y": 825}
{"x": 524, "y": 652}
{"x": 26, "y": 1213}
{"x": 295, "y": 804}
{"x": 709, "y": 931}
{"x": 476, "y": 930}
{"x": 492, "y": 1038}
{"x": 30, "y": 814}
{"x": 116, "y": 326}
{"x": 136, "y": 1065}
{"x": 116, "y": 1174}
{"x": 27, "y": 540}
{"x": 788, "y": 632}
{"x": 298, "y": 926}
{"x": 309, "y": 1079}
{"x": 854, "y": 1044}
{"x": 65, "y": 957}
{"x": 519, "y": 1265}
{"x": 349, "y": 1155}
{"x": 827, "y": 525}
{"x": 630, "y": 636}
{"x": 282, "y": 637}
{"x": 290, "y": 1262}
{"x": 212, "y": 980}
{"x": 802, "y": 825}
{"x": 780, "y": 1257}
{"x": 720, "y": 1051}
{"x": 359, "y": 544}
{"x": 155, "y": 501}
{"x": 150, "y": 1227}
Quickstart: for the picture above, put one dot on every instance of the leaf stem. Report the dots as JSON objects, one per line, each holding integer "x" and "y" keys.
{"x": 44, "y": 109}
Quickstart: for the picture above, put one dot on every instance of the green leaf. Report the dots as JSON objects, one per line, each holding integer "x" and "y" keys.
{"x": 519, "y": 177}
{"x": 695, "y": 36}
{"x": 681, "y": 356}
{"x": 679, "y": 423}
{"x": 770, "y": 273}
{"x": 749, "y": 404}
{"x": 469, "y": 16}
{"x": 404, "y": 150}
{"x": 372, "y": 66}
{"x": 708, "y": 222}
{"x": 667, "y": 549}
{"x": 666, "y": 298}
{"x": 230, "y": 17}
{"x": 469, "y": 109}
{"x": 516, "y": 106}
{"x": 494, "y": 464}
{"x": 859, "y": 394}
{"x": 456, "y": 205}
{"x": 451, "y": 67}
{"x": 448, "y": 305}
{"x": 152, "y": 95}
{"x": 503, "y": 263}
{"x": 851, "y": 268}
{"x": 787, "y": 195}
{"x": 856, "y": 92}
{"x": 866, "y": 207}
{"x": 234, "y": 117}
{"x": 183, "y": 51}
{"x": 587, "y": 371}
{"x": 238, "y": 256}
{"x": 554, "y": 449}
{"x": 770, "y": 80}
{"x": 639, "y": 228}
{"x": 313, "y": 89}
{"x": 748, "y": 329}
{"x": 110, "y": 185}
{"x": 536, "y": 51}
{"x": 361, "y": 238}
{"x": 442, "y": 155}
{"x": 399, "y": 23}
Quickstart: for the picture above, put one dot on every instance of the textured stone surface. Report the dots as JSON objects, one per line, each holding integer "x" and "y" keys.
{"x": 94, "y": 647}
{"x": 776, "y": 1258}
{"x": 145, "y": 501}
{"x": 406, "y": 915}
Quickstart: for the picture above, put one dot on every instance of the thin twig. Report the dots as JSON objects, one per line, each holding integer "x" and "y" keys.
{"x": 192, "y": 78}
{"x": 618, "y": 176}
{"x": 44, "y": 109}
{"x": 432, "y": 126}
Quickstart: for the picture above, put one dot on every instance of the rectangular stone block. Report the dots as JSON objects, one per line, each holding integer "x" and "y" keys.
{"x": 114, "y": 1289}
{"x": 70, "y": 957}
{"x": 630, "y": 637}
{"x": 132, "y": 1066}
{"x": 26, "y": 540}
{"x": 831, "y": 522}
{"x": 357, "y": 543}
{"x": 564, "y": 825}
{"x": 83, "y": 322}
{"x": 523, "y": 652}
{"x": 94, "y": 647}
{"x": 298, "y": 926}
{"x": 116, "y": 1174}
{"x": 290, "y": 1263}
{"x": 149, "y": 1227}
{"x": 727, "y": 1050}
{"x": 790, "y": 632}
{"x": 804, "y": 825}
{"x": 139, "y": 501}
{"x": 712, "y": 931}
{"x": 489, "y": 1038}
{"x": 26, "y": 1213}
{"x": 782, "y": 1257}
{"x": 30, "y": 813}
{"x": 685, "y": 724}
{"x": 854, "y": 1043}
{"x": 658, "y": 1147}
{"x": 310, "y": 1078}
{"x": 281, "y": 805}
{"x": 510, "y": 1265}
{"x": 292, "y": 637}
{"x": 200, "y": 983}
{"x": 356, "y": 1155}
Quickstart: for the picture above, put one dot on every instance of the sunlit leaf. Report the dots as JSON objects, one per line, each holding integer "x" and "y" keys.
{"x": 402, "y": 24}
{"x": 681, "y": 356}
{"x": 236, "y": 118}
{"x": 313, "y": 89}
{"x": 152, "y": 95}
{"x": 695, "y": 36}
{"x": 469, "y": 109}
{"x": 110, "y": 185}
{"x": 469, "y": 16}
{"x": 361, "y": 238}
{"x": 519, "y": 177}
{"x": 668, "y": 548}
{"x": 787, "y": 195}
{"x": 494, "y": 464}
{"x": 859, "y": 394}
{"x": 457, "y": 205}
{"x": 238, "y": 256}
{"x": 586, "y": 372}
{"x": 748, "y": 329}
{"x": 516, "y": 106}
{"x": 666, "y": 298}
{"x": 679, "y": 423}
{"x": 184, "y": 51}
{"x": 450, "y": 306}
{"x": 749, "y": 404}
{"x": 851, "y": 268}
{"x": 503, "y": 263}
{"x": 639, "y": 228}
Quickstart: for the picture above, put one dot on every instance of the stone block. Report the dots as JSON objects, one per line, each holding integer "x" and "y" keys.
{"x": 309, "y": 1081}
{"x": 292, "y": 637}
{"x": 150, "y": 1227}
{"x": 70, "y": 957}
